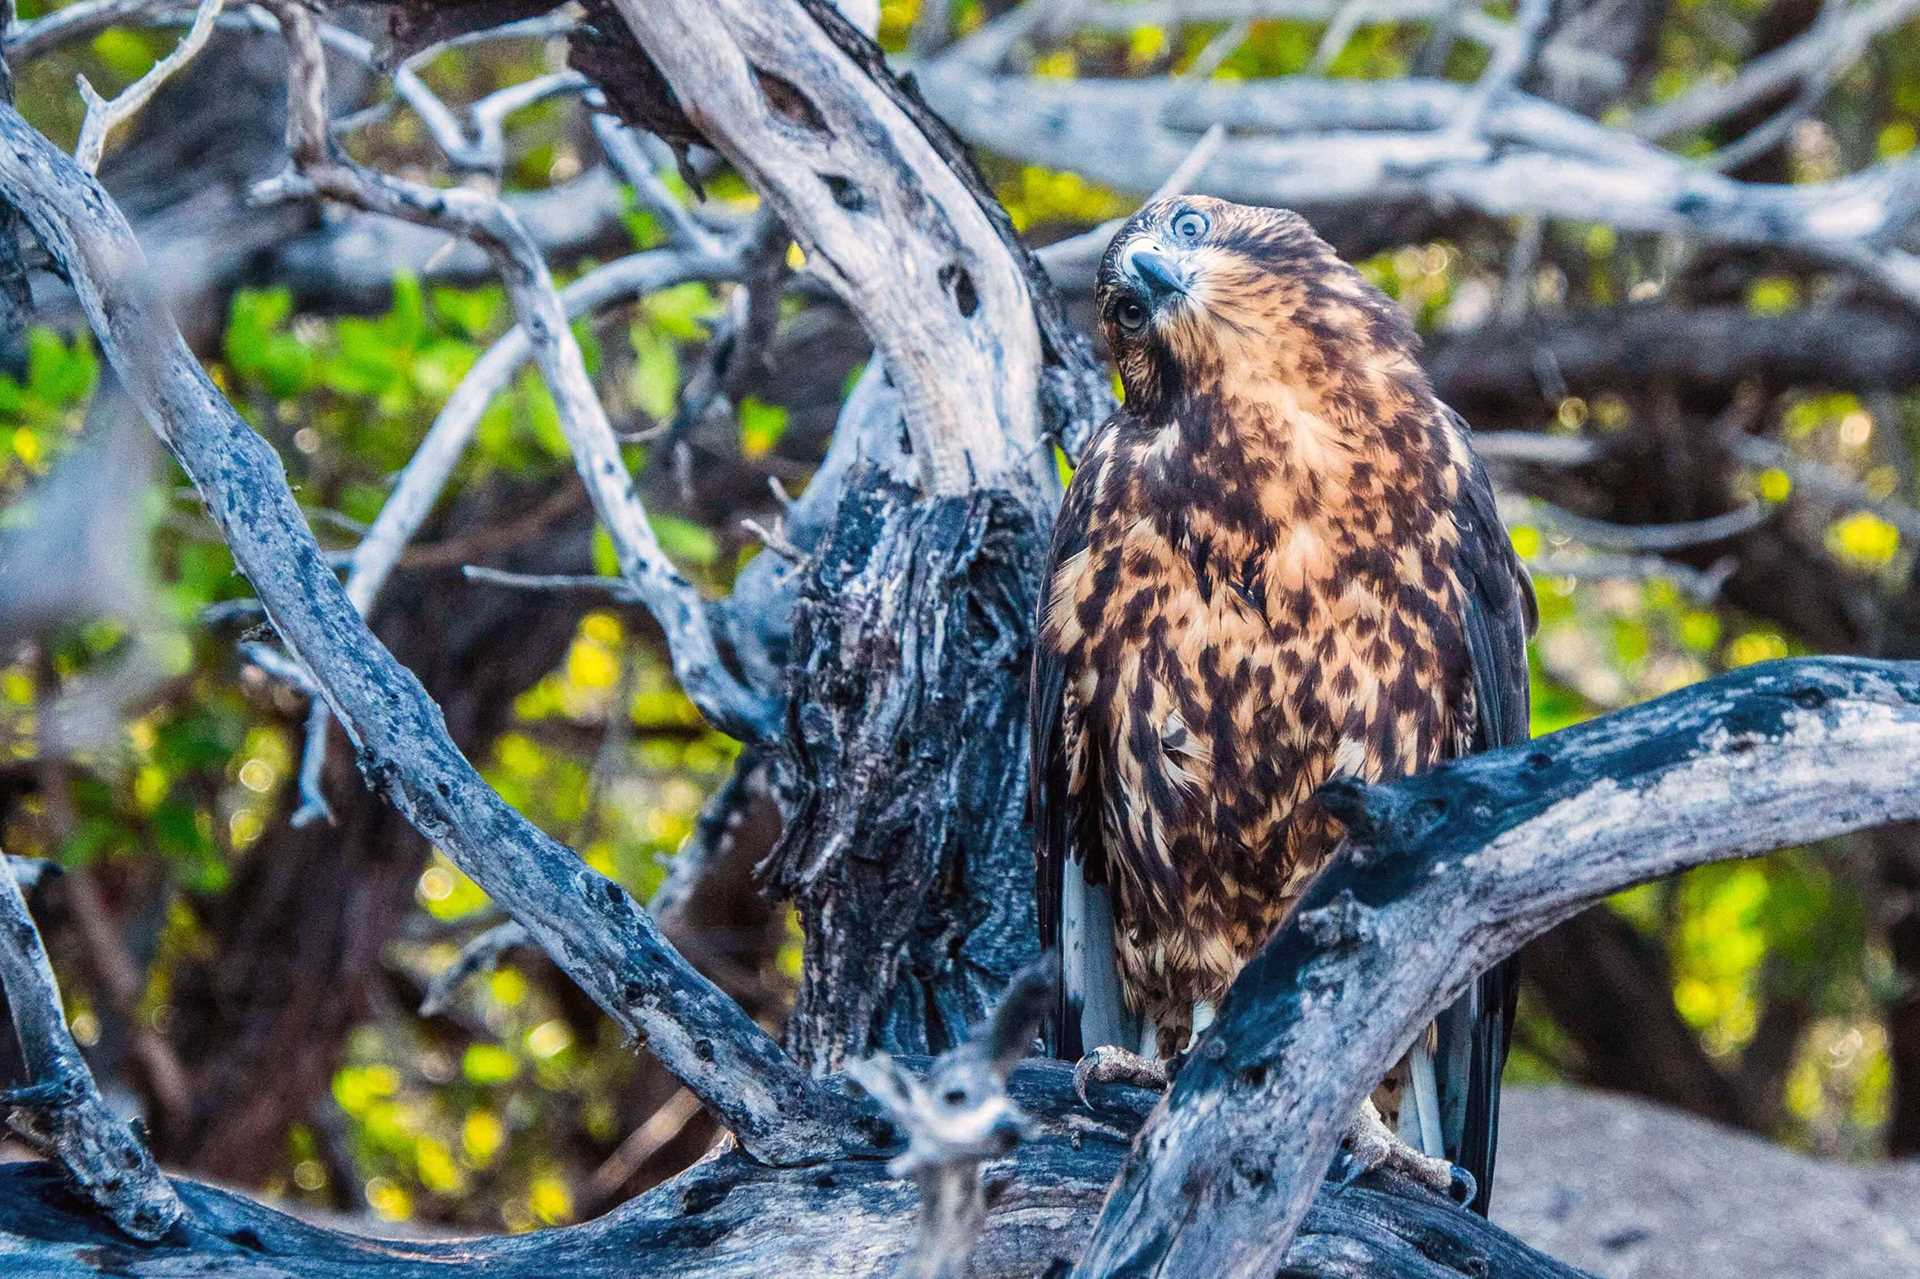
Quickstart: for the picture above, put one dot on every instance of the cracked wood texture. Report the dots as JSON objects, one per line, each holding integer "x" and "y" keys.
{"x": 907, "y": 847}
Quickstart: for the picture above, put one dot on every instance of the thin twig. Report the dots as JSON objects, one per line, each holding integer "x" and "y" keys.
{"x": 642, "y": 1144}
{"x": 488, "y": 151}
{"x": 104, "y": 116}
{"x": 1653, "y": 537}
{"x": 28, "y": 40}
{"x": 1825, "y": 481}
{"x": 1516, "y": 288}
{"x": 1703, "y": 586}
{"x": 278, "y": 665}
{"x": 775, "y": 540}
{"x": 1817, "y": 53}
{"x": 617, "y": 587}
{"x": 481, "y": 955}
{"x": 1512, "y": 59}
{"x": 1183, "y": 176}
{"x": 1339, "y": 33}
{"x": 1537, "y": 448}
{"x": 630, "y": 159}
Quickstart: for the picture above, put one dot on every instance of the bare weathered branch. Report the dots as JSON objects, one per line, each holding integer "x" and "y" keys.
{"x": 481, "y": 955}
{"x": 1513, "y": 374}
{"x": 1825, "y": 481}
{"x": 104, "y": 116}
{"x": 1817, "y": 53}
{"x": 1700, "y": 585}
{"x": 1653, "y": 537}
{"x": 59, "y": 1111}
{"x": 729, "y": 1217}
{"x": 895, "y": 232}
{"x": 1328, "y": 144}
{"x": 587, "y": 923}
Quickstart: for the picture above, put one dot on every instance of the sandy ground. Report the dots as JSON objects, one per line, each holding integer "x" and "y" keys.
{"x": 1632, "y": 1191}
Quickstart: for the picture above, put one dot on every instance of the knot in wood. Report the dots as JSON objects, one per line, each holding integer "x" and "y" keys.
{"x": 1341, "y": 924}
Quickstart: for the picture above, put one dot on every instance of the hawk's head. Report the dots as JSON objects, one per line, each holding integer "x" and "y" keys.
{"x": 1196, "y": 292}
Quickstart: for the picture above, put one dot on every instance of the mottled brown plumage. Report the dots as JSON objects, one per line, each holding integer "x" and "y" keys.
{"x": 1279, "y": 562}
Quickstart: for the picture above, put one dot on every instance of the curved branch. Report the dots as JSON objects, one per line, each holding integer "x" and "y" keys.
{"x": 892, "y": 229}
{"x": 1447, "y": 873}
{"x": 104, "y": 116}
{"x": 588, "y": 923}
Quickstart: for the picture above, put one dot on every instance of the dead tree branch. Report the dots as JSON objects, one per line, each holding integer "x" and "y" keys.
{"x": 956, "y": 1119}
{"x": 590, "y": 926}
{"x": 59, "y": 1112}
{"x": 906, "y": 233}
{"x": 1323, "y": 145}
{"x": 732, "y": 1218}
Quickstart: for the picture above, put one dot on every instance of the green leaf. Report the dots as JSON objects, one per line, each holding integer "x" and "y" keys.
{"x": 606, "y": 561}
{"x": 685, "y": 541}
{"x": 488, "y": 1064}
{"x": 62, "y": 375}
{"x": 472, "y": 311}
{"x": 761, "y": 425}
{"x": 682, "y": 311}
{"x": 655, "y": 381}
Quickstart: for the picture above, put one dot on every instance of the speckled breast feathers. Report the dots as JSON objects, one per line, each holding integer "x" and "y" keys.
{"x": 1254, "y": 586}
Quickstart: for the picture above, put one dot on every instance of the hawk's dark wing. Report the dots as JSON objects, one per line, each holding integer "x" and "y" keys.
{"x": 1500, "y": 613}
{"x": 1074, "y": 904}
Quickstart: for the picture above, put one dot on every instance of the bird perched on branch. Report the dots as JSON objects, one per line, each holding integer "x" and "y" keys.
{"x": 1277, "y": 564}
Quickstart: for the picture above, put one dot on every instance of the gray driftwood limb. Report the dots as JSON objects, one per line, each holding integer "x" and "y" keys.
{"x": 894, "y": 230}
{"x": 588, "y": 923}
{"x": 1451, "y": 871}
{"x": 59, "y": 1111}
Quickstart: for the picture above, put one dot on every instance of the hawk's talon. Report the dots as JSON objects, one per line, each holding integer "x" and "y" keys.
{"x": 1109, "y": 1065}
{"x": 1370, "y": 1144}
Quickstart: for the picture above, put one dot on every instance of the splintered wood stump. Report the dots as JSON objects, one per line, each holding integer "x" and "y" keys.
{"x": 907, "y": 847}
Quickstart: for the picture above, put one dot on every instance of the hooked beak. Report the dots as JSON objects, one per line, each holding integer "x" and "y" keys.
{"x": 1154, "y": 274}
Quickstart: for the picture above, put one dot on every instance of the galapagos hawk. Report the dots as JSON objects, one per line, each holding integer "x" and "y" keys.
{"x": 1278, "y": 563}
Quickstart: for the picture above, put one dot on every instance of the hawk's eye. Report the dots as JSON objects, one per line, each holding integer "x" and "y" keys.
{"x": 1190, "y": 226}
{"x": 1130, "y": 315}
